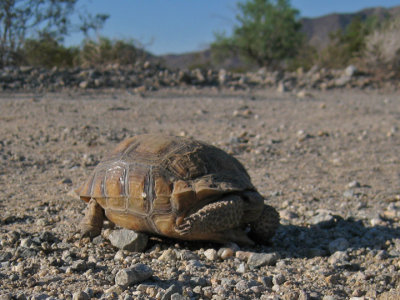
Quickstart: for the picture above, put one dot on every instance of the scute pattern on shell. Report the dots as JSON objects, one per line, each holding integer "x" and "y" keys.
{"x": 148, "y": 182}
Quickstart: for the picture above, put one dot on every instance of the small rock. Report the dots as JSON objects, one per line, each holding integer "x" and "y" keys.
{"x": 178, "y": 296}
{"x": 187, "y": 255}
{"x": 241, "y": 268}
{"x": 324, "y": 219}
{"x": 168, "y": 255}
{"x": 194, "y": 263}
{"x": 288, "y": 215}
{"x": 80, "y": 296}
{"x": 281, "y": 88}
{"x": 342, "y": 81}
{"x": 339, "y": 257}
{"x": 243, "y": 255}
{"x": 350, "y": 71}
{"x": 135, "y": 274}
{"x": 354, "y": 184}
{"x": 130, "y": 240}
{"x": 198, "y": 281}
{"x": 5, "y": 256}
{"x": 66, "y": 181}
{"x": 332, "y": 279}
{"x": 84, "y": 84}
{"x": 278, "y": 279}
{"x": 242, "y": 285}
{"x": 262, "y": 259}
{"x": 266, "y": 281}
{"x": 340, "y": 244}
{"x": 79, "y": 266}
{"x": 119, "y": 256}
{"x": 225, "y": 253}
{"x": 211, "y": 254}
{"x": 348, "y": 194}
{"x": 304, "y": 94}
{"x": 173, "y": 289}
{"x": 329, "y": 297}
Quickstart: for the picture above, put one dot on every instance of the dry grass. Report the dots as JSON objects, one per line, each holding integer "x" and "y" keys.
{"x": 383, "y": 47}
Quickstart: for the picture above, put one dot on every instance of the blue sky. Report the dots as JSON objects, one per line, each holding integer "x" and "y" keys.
{"x": 178, "y": 26}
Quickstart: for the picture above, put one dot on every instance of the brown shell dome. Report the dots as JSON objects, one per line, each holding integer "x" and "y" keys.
{"x": 151, "y": 182}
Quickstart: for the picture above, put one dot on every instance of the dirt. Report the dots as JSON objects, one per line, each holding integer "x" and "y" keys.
{"x": 334, "y": 151}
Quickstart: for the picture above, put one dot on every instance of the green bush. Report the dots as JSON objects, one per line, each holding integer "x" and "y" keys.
{"x": 46, "y": 52}
{"x": 347, "y": 46}
{"x": 105, "y": 51}
{"x": 268, "y": 33}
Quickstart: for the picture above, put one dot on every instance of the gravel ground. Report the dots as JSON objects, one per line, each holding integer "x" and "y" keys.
{"x": 328, "y": 162}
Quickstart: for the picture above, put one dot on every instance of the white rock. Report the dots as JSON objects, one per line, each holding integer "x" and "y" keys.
{"x": 135, "y": 274}
{"x": 130, "y": 240}
{"x": 211, "y": 254}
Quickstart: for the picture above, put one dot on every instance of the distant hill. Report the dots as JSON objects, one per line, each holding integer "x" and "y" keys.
{"x": 316, "y": 30}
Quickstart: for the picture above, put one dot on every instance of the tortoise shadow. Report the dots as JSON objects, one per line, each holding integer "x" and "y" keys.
{"x": 325, "y": 238}
{"x": 321, "y": 239}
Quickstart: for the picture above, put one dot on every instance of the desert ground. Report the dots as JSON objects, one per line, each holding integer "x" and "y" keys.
{"x": 327, "y": 161}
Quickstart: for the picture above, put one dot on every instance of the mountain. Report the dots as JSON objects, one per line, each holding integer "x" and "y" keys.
{"x": 317, "y": 31}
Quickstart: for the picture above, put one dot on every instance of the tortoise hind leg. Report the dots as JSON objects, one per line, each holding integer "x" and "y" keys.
{"x": 218, "y": 221}
{"x": 262, "y": 229}
{"x": 92, "y": 222}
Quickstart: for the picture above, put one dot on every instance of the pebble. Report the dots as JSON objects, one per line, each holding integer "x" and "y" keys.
{"x": 241, "y": 268}
{"x": 187, "y": 255}
{"x": 348, "y": 194}
{"x": 5, "y": 256}
{"x": 242, "y": 285}
{"x": 225, "y": 253}
{"x": 340, "y": 244}
{"x": 211, "y": 254}
{"x": 135, "y": 274}
{"x": 172, "y": 289}
{"x": 177, "y": 296}
{"x": 80, "y": 296}
{"x": 324, "y": 219}
{"x": 130, "y": 240}
{"x": 262, "y": 259}
{"x": 168, "y": 255}
{"x": 79, "y": 266}
{"x": 243, "y": 255}
{"x": 339, "y": 257}
{"x": 278, "y": 279}
{"x": 353, "y": 184}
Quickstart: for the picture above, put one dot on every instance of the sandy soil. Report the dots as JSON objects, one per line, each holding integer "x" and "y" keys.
{"x": 335, "y": 152}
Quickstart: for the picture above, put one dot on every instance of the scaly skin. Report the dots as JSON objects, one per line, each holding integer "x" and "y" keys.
{"x": 92, "y": 223}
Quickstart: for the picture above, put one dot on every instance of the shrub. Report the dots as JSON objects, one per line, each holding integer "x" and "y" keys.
{"x": 46, "y": 52}
{"x": 347, "y": 46}
{"x": 105, "y": 51}
{"x": 268, "y": 32}
{"x": 383, "y": 47}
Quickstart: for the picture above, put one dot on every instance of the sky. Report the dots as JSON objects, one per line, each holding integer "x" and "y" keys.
{"x": 179, "y": 26}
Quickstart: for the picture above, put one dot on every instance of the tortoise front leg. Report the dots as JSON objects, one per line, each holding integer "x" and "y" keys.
{"x": 265, "y": 226}
{"x": 92, "y": 222}
{"x": 219, "y": 221}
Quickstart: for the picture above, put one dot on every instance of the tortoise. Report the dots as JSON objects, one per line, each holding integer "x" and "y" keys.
{"x": 179, "y": 188}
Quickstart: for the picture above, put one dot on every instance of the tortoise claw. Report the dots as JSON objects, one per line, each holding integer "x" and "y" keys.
{"x": 89, "y": 231}
{"x": 184, "y": 228}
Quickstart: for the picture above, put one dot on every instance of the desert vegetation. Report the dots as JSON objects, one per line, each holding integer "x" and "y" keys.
{"x": 267, "y": 34}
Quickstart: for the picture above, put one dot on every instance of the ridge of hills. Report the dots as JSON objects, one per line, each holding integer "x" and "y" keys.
{"x": 316, "y": 30}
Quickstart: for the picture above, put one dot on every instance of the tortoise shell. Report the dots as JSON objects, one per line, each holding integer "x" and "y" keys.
{"x": 150, "y": 183}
